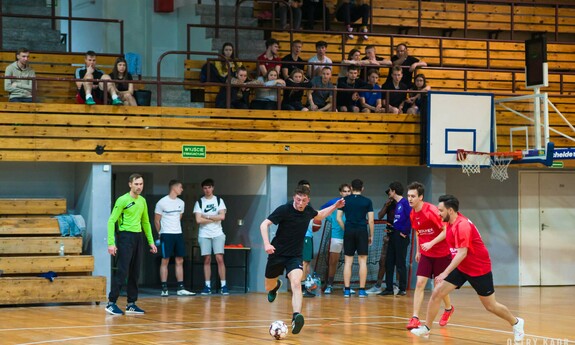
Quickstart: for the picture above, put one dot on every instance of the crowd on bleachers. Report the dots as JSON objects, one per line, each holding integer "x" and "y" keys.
{"x": 309, "y": 85}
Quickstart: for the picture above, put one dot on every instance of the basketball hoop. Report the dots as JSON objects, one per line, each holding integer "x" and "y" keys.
{"x": 498, "y": 161}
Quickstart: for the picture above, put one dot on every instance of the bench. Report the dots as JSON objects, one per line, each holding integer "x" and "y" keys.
{"x": 30, "y": 242}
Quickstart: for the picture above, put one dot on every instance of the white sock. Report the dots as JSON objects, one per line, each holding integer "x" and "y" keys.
{"x": 223, "y": 283}
{"x": 208, "y": 283}
{"x": 88, "y": 95}
{"x": 114, "y": 96}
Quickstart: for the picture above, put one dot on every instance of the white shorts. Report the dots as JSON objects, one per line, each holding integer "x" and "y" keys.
{"x": 208, "y": 244}
{"x": 336, "y": 245}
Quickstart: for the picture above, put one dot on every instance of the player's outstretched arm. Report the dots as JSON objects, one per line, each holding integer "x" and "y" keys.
{"x": 328, "y": 210}
{"x": 264, "y": 227}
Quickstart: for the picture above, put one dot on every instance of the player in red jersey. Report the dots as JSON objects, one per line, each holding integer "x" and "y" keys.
{"x": 433, "y": 254}
{"x": 470, "y": 263}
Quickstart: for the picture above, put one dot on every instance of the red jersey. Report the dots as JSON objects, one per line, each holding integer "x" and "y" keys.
{"x": 270, "y": 64}
{"x": 428, "y": 224}
{"x": 463, "y": 234}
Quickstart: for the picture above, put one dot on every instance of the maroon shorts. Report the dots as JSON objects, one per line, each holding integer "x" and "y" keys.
{"x": 432, "y": 267}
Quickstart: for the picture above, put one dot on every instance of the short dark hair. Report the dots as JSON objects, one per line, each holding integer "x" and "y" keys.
{"x": 369, "y": 46}
{"x": 208, "y": 182}
{"x": 396, "y": 68}
{"x": 450, "y": 202}
{"x": 401, "y": 44}
{"x": 296, "y": 42}
{"x": 90, "y": 53}
{"x": 22, "y": 50}
{"x": 420, "y": 188}
{"x": 353, "y": 68}
{"x": 357, "y": 185}
{"x": 319, "y": 44}
{"x": 173, "y": 183}
{"x": 372, "y": 71}
{"x": 397, "y": 187}
{"x": 343, "y": 185}
{"x": 302, "y": 182}
{"x": 271, "y": 41}
{"x": 303, "y": 190}
{"x": 134, "y": 176}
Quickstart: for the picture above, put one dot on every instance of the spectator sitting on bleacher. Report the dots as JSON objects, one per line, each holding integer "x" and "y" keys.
{"x": 371, "y": 58}
{"x": 267, "y": 98}
{"x": 371, "y": 100}
{"x": 223, "y": 65}
{"x": 296, "y": 14}
{"x": 89, "y": 92}
{"x": 239, "y": 93}
{"x": 408, "y": 62}
{"x": 320, "y": 100}
{"x": 396, "y": 99}
{"x": 320, "y": 57}
{"x": 20, "y": 90}
{"x": 269, "y": 59}
{"x": 314, "y": 9}
{"x": 348, "y": 101}
{"x": 349, "y": 11}
{"x": 353, "y": 58}
{"x": 292, "y": 98}
{"x": 124, "y": 90}
{"x": 417, "y": 103}
{"x": 288, "y": 65}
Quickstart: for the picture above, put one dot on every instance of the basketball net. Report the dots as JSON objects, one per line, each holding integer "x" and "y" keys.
{"x": 471, "y": 163}
{"x": 499, "y": 165}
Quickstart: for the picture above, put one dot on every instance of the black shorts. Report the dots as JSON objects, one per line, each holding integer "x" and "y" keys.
{"x": 172, "y": 245}
{"x": 277, "y": 264}
{"x": 355, "y": 239}
{"x": 483, "y": 285}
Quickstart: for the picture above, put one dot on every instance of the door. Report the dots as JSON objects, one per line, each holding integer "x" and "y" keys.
{"x": 557, "y": 228}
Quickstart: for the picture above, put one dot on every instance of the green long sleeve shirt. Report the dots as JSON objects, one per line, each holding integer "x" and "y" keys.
{"x": 131, "y": 215}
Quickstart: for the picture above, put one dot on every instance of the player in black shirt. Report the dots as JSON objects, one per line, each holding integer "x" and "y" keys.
{"x": 285, "y": 250}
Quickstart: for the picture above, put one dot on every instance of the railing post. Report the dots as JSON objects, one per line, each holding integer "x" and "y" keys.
{"x": 465, "y": 19}
{"x": 122, "y": 37}
{"x": 556, "y": 23}
{"x": 441, "y": 52}
{"x": 53, "y": 15}
{"x": 217, "y": 19}
{"x": 419, "y": 10}
{"x": 512, "y": 20}
{"x": 69, "y": 26}
{"x": 1, "y": 25}
{"x": 488, "y": 54}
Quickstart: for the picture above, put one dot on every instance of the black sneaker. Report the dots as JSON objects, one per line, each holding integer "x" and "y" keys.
{"x": 386, "y": 293}
{"x": 297, "y": 323}
{"x": 113, "y": 309}
{"x": 272, "y": 294}
{"x": 307, "y": 293}
{"x": 132, "y": 308}
{"x": 402, "y": 293}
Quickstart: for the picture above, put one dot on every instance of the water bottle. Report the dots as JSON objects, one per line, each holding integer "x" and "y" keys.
{"x": 61, "y": 251}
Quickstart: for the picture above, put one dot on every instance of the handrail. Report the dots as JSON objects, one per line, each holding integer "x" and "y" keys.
{"x": 69, "y": 18}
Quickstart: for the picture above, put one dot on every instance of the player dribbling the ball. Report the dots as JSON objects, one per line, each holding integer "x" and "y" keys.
{"x": 285, "y": 250}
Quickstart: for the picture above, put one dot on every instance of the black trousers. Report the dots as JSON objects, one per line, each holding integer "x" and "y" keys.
{"x": 395, "y": 259}
{"x": 128, "y": 262}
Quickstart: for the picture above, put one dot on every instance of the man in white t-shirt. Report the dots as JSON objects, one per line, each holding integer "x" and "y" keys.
{"x": 210, "y": 211}
{"x": 168, "y": 214}
{"x": 320, "y": 58}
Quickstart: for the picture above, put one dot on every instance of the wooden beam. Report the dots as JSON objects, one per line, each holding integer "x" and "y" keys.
{"x": 32, "y": 206}
{"x": 29, "y": 226}
{"x": 40, "y": 245}
{"x": 41, "y": 264}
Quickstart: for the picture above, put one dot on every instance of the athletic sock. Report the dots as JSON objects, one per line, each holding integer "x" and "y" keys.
{"x": 209, "y": 284}
{"x": 114, "y": 96}
{"x": 180, "y": 285}
{"x": 516, "y": 322}
{"x": 276, "y": 288}
{"x": 294, "y": 315}
{"x": 449, "y": 309}
{"x": 426, "y": 327}
{"x": 415, "y": 317}
{"x": 88, "y": 95}
{"x": 164, "y": 285}
{"x": 223, "y": 283}
{"x": 330, "y": 281}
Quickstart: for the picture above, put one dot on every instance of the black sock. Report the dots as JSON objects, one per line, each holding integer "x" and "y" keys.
{"x": 180, "y": 285}
{"x": 277, "y": 287}
{"x": 164, "y": 285}
{"x": 448, "y": 309}
{"x": 426, "y": 327}
{"x": 294, "y": 315}
{"x": 415, "y": 317}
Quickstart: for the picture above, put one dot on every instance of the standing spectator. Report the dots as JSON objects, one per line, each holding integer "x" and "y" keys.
{"x": 417, "y": 103}
{"x": 398, "y": 242}
{"x": 349, "y": 11}
{"x": 356, "y": 238}
{"x": 408, "y": 62}
{"x": 371, "y": 58}
{"x": 320, "y": 100}
{"x": 224, "y": 66}
{"x": 349, "y": 100}
{"x": 20, "y": 90}
{"x": 239, "y": 93}
{"x": 320, "y": 58}
{"x": 370, "y": 101}
{"x": 292, "y": 99}
{"x": 315, "y": 9}
{"x": 124, "y": 90}
{"x": 131, "y": 213}
{"x": 296, "y": 14}
{"x": 336, "y": 241}
{"x": 90, "y": 92}
{"x": 387, "y": 211}
{"x": 167, "y": 220}
{"x": 288, "y": 64}
{"x": 396, "y": 99}
{"x": 269, "y": 59}
{"x": 267, "y": 98}
{"x": 210, "y": 211}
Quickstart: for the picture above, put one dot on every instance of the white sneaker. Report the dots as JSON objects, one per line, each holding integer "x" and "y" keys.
{"x": 518, "y": 332}
{"x": 327, "y": 290}
{"x": 374, "y": 290}
{"x": 165, "y": 293}
{"x": 349, "y": 32}
{"x": 421, "y": 331}
{"x": 184, "y": 292}
{"x": 352, "y": 291}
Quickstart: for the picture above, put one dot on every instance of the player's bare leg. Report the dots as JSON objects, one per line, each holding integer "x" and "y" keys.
{"x": 418, "y": 295}
{"x": 347, "y": 274}
{"x": 492, "y": 306}
{"x": 440, "y": 291}
{"x": 297, "y": 297}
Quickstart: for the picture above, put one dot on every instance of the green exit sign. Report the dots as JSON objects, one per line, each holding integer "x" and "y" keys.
{"x": 193, "y": 151}
{"x": 557, "y": 164}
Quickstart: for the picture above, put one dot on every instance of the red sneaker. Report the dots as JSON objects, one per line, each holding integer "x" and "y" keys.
{"x": 446, "y": 316}
{"x": 413, "y": 323}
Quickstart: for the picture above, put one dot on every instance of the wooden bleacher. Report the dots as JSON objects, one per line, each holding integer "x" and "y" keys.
{"x": 55, "y": 65}
{"x": 30, "y": 241}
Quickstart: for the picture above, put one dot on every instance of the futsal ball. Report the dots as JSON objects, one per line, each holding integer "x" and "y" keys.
{"x": 278, "y": 329}
{"x": 316, "y": 225}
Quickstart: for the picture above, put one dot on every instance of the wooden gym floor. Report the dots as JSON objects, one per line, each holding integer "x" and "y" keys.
{"x": 330, "y": 319}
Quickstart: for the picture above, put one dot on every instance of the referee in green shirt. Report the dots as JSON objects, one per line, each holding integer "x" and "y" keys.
{"x": 131, "y": 214}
